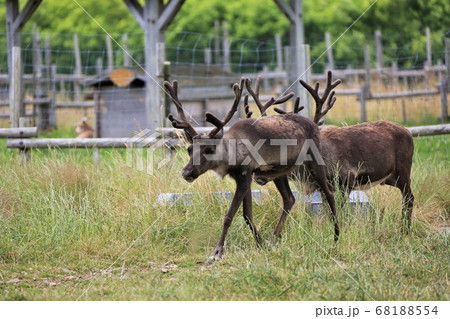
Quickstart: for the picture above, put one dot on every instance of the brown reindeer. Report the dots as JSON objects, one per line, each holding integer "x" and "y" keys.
{"x": 366, "y": 154}
{"x": 246, "y": 151}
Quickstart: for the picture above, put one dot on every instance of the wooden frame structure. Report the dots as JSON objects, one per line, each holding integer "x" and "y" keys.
{"x": 154, "y": 18}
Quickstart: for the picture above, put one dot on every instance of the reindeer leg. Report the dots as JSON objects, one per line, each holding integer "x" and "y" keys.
{"x": 243, "y": 183}
{"x": 320, "y": 176}
{"x": 282, "y": 184}
{"x": 248, "y": 216}
{"x": 404, "y": 184}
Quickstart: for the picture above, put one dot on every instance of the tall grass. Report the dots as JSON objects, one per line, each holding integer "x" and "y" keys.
{"x": 67, "y": 226}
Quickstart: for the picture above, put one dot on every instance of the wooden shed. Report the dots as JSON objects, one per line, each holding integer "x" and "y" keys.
{"x": 121, "y": 109}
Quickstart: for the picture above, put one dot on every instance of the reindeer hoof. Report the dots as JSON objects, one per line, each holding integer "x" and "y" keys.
{"x": 272, "y": 242}
{"x": 216, "y": 256}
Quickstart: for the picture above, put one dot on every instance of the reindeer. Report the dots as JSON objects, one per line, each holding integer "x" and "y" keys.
{"x": 366, "y": 154}
{"x": 83, "y": 129}
{"x": 233, "y": 153}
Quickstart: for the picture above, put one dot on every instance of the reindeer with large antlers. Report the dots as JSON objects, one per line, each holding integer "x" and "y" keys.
{"x": 251, "y": 149}
{"x": 365, "y": 154}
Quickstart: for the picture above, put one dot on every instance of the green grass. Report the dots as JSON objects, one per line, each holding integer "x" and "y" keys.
{"x": 65, "y": 221}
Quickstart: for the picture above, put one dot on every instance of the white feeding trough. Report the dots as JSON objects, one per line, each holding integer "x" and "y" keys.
{"x": 357, "y": 199}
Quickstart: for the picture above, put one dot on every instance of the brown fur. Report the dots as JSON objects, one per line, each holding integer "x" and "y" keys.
{"x": 368, "y": 154}
{"x": 84, "y": 130}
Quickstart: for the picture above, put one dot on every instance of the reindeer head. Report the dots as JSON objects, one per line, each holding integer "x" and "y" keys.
{"x": 202, "y": 146}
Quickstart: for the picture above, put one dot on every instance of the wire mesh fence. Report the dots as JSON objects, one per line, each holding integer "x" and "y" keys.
{"x": 211, "y": 63}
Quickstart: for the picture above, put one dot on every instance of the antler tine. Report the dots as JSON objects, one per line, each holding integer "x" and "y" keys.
{"x": 237, "y": 88}
{"x": 328, "y": 94}
{"x": 255, "y": 94}
{"x": 297, "y": 108}
{"x": 248, "y": 113}
{"x": 183, "y": 123}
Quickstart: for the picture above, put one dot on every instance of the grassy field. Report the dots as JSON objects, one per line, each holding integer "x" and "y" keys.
{"x": 72, "y": 230}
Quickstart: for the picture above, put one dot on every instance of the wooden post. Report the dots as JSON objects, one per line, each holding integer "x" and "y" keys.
{"x": 167, "y": 98}
{"x": 226, "y": 48}
{"x": 279, "y": 51}
{"x": 42, "y": 109}
{"x": 77, "y": 71}
{"x": 25, "y": 153}
{"x": 207, "y": 57}
{"x": 15, "y": 94}
{"x": 99, "y": 65}
{"x": 379, "y": 49}
{"x": 363, "y": 106}
{"x": 447, "y": 59}
{"x": 443, "y": 89}
{"x": 305, "y": 97}
{"x": 109, "y": 53}
{"x": 217, "y": 59}
{"x": 152, "y": 92}
{"x": 126, "y": 54}
{"x": 330, "y": 65}
{"x": 265, "y": 80}
{"x": 53, "y": 100}
{"x": 293, "y": 10}
{"x": 429, "y": 56}
{"x": 365, "y": 89}
{"x": 404, "y": 118}
{"x": 394, "y": 75}
{"x": 367, "y": 66}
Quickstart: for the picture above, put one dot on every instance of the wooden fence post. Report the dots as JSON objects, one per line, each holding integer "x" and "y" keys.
{"x": 109, "y": 53}
{"x": 226, "y": 48}
{"x": 365, "y": 89}
{"x": 77, "y": 71}
{"x": 306, "y": 62}
{"x": 379, "y": 49}
{"x": 329, "y": 49}
{"x": 217, "y": 58}
{"x": 167, "y": 98}
{"x": 443, "y": 89}
{"x": 52, "y": 116}
{"x": 447, "y": 57}
{"x": 24, "y": 153}
{"x": 279, "y": 51}
{"x": 126, "y": 54}
{"x": 429, "y": 56}
{"x": 15, "y": 94}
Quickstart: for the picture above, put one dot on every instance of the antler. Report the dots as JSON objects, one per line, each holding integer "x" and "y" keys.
{"x": 255, "y": 94}
{"x": 237, "y": 88}
{"x": 327, "y": 94}
{"x": 297, "y": 108}
{"x": 184, "y": 124}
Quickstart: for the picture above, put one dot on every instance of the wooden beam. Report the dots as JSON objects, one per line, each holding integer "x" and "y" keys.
{"x": 26, "y": 14}
{"x": 286, "y": 9}
{"x": 106, "y": 142}
{"x": 20, "y": 132}
{"x": 136, "y": 10}
{"x": 169, "y": 13}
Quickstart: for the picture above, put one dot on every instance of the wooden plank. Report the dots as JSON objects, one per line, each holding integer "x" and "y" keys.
{"x": 82, "y": 142}
{"x": 18, "y": 132}
{"x": 169, "y": 13}
{"x": 380, "y": 96}
{"x": 75, "y": 104}
{"x": 137, "y": 11}
{"x": 430, "y": 130}
{"x": 26, "y": 14}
